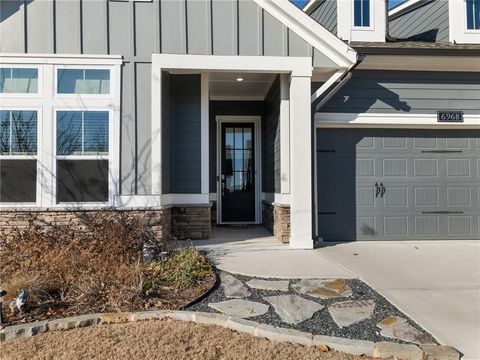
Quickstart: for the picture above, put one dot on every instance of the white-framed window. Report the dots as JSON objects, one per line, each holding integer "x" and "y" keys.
{"x": 18, "y": 156}
{"x": 91, "y": 81}
{"x": 19, "y": 80}
{"x": 74, "y": 160}
{"x": 361, "y": 13}
{"x": 472, "y": 12}
{"x": 82, "y": 142}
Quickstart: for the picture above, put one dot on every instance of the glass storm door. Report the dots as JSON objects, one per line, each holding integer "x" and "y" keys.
{"x": 237, "y": 178}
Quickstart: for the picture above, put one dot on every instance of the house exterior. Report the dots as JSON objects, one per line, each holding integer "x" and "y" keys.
{"x": 340, "y": 122}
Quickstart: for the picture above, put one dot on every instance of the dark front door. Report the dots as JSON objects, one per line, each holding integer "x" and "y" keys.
{"x": 237, "y": 177}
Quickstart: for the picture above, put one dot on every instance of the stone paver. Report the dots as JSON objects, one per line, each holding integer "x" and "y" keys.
{"x": 272, "y": 285}
{"x": 384, "y": 349}
{"x": 240, "y": 308}
{"x": 350, "y": 346}
{"x": 323, "y": 288}
{"x": 346, "y": 313}
{"x": 440, "y": 352}
{"x": 395, "y": 327}
{"x": 232, "y": 287}
{"x": 293, "y": 309}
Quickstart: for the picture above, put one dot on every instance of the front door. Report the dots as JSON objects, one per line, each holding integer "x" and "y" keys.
{"x": 237, "y": 173}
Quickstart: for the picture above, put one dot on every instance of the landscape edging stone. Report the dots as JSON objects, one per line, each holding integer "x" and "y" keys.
{"x": 383, "y": 349}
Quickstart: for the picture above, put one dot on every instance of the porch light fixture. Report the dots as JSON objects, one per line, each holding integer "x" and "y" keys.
{"x": 239, "y": 79}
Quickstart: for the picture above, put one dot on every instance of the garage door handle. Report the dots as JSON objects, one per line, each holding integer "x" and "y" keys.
{"x": 442, "y": 212}
{"x": 383, "y": 189}
{"x": 377, "y": 190}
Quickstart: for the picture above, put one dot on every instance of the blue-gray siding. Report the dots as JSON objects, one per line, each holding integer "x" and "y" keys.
{"x": 166, "y": 134}
{"x": 326, "y": 15}
{"x": 136, "y": 30}
{"x": 185, "y": 141}
{"x": 271, "y": 140}
{"x": 407, "y": 92}
{"x": 428, "y": 22}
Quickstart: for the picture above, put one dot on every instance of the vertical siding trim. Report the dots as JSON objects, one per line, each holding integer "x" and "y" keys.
{"x": 186, "y": 26}
{"x": 81, "y": 26}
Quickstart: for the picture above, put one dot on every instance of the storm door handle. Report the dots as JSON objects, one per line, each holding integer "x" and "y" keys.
{"x": 377, "y": 190}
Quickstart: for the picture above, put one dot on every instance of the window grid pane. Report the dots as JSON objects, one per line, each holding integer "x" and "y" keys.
{"x": 18, "y": 132}
{"x": 18, "y": 80}
{"x": 82, "y": 133}
{"x": 361, "y": 13}
{"x": 83, "y": 81}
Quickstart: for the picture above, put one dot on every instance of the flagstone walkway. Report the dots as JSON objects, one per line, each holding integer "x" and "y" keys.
{"x": 333, "y": 307}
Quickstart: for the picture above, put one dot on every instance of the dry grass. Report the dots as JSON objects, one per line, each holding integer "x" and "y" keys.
{"x": 159, "y": 340}
{"x": 97, "y": 269}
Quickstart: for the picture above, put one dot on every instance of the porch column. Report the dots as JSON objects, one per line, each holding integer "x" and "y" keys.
{"x": 300, "y": 163}
{"x": 205, "y": 156}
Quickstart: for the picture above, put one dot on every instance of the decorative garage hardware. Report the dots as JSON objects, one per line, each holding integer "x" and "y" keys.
{"x": 449, "y": 116}
{"x": 379, "y": 190}
{"x": 442, "y": 151}
{"x": 442, "y": 212}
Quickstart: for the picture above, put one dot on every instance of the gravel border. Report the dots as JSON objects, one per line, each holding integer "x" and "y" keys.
{"x": 383, "y": 349}
{"x": 321, "y": 323}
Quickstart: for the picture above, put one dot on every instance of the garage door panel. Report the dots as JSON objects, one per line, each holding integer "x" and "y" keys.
{"x": 431, "y": 181}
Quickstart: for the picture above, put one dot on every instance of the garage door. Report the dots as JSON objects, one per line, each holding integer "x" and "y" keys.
{"x": 379, "y": 184}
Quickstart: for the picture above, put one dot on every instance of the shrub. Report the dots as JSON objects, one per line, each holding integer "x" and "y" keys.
{"x": 96, "y": 269}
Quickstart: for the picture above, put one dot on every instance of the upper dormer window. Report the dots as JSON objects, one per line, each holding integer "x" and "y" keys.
{"x": 361, "y": 13}
{"x": 473, "y": 14}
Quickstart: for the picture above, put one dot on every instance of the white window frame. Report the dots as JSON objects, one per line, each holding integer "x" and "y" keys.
{"x": 83, "y": 96}
{"x": 457, "y": 17}
{"x": 467, "y": 30}
{"x": 46, "y": 103}
{"x": 109, "y": 157}
{"x": 36, "y": 95}
{"x": 372, "y": 17}
{"x": 36, "y": 157}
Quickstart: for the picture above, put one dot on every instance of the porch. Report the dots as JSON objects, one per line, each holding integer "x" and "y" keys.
{"x": 232, "y": 135}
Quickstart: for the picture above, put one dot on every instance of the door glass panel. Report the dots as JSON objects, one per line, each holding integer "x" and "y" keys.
{"x": 229, "y": 138}
{"x": 247, "y": 138}
{"x": 238, "y": 160}
{"x": 238, "y": 138}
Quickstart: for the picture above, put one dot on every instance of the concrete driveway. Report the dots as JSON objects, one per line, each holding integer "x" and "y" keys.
{"x": 435, "y": 283}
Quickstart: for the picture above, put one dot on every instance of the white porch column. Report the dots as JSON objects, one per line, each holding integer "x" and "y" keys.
{"x": 204, "y": 120}
{"x": 285, "y": 133}
{"x": 300, "y": 163}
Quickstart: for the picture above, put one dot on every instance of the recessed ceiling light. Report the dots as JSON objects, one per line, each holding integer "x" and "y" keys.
{"x": 239, "y": 79}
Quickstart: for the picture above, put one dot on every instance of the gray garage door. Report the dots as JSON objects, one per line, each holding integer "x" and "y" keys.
{"x": 379, "y": 184}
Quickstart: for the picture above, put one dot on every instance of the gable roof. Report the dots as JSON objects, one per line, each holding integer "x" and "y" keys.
{"x": 311, "y": 31}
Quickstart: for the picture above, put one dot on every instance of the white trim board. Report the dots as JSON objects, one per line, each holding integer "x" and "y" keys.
{"x": 256, "y": 120}
{"x": 311, "y": 31}
{"x": 392, "y": 120}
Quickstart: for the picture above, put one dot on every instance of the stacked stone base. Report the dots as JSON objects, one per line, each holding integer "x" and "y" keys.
{"x": 183, "y": 222}
{"x": 276, "y": 218}
{"x": 191, "y": 222}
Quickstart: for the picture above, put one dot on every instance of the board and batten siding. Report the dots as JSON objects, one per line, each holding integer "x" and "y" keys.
{"x": 422, "y": 92}
{"x": 271, "y": 140}
{"x": 428, "y": 22}
{"x": 135, "y": 30}
{"x": 326, "y": 15}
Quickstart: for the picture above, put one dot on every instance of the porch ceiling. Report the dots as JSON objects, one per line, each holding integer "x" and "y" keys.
{"x": 225, "y": 86}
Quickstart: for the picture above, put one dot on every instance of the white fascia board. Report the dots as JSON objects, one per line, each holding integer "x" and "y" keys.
{"x": 407, "y": 5}
{"x": 311, "y": 31}
{"x": 427, "y": 121}
{"x": 310, "y": 6}
{"x": 298, "y": 66}
{"x": 60, "y": 59}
